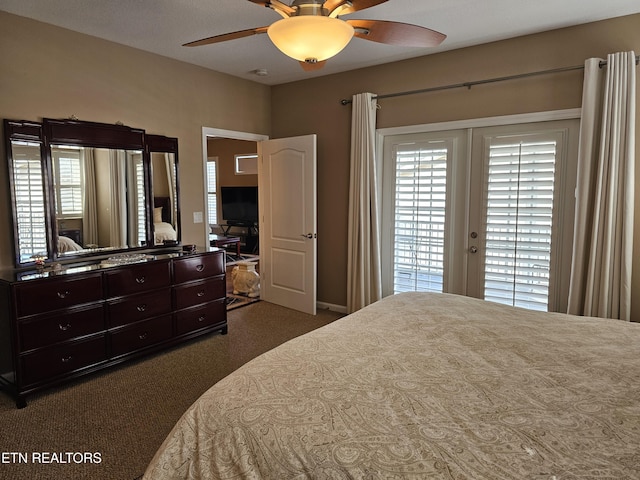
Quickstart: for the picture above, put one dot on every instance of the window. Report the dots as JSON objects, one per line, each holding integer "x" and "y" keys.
{"x": 519, "y": 218}
{"x": 29, "y": 200}
{"x": 246, "y": 164}
{"x": 212, "y": 197}
{"x": 67, "y": 174}
{"x": 419, "y": 220}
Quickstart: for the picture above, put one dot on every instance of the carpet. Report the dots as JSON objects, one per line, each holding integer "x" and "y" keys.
{"x": 125, "y": 413}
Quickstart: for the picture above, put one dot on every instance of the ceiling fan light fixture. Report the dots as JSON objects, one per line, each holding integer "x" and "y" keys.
{"x": 310, "y": 38}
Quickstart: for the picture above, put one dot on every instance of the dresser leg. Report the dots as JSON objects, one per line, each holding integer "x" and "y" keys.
{"x": 224, "y": 330}
{"x": 21, "y": 401}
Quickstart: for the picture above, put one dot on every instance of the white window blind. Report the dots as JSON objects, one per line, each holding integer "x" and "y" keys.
{"x": 419, "y": 219}
{"x": 212, "y": 199}
{"x": 29, "y": 199}
{"x": 520, "y": 192}
{"x": 140, "y": 203}
{"x": 68, "y": 181}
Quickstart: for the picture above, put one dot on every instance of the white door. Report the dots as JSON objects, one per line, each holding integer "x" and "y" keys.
{"x": 485, "y": 213}
{"x": 287, "y": 206}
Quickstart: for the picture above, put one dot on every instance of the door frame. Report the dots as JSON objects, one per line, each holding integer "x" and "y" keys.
{"x": 208, "y": 132}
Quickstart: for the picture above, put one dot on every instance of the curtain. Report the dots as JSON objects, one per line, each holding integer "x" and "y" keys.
{"x": 171, "y": 178}
{"x": 118, "y": 211}
{"x": 600, "y": 283}
{"x": 364, "y": 284}
{"x": 89, "y": 199}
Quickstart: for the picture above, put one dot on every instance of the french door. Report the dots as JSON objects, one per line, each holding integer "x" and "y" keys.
{"x": 484, "y": 212}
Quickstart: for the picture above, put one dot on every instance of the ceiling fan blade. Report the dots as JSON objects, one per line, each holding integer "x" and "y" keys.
{"x": 282, "y": 8}
{"x": 311, "y": 67}
{"x": 227, "y": 36}
{"x": 396, "y": 33}
{"x": 350, "y": 6}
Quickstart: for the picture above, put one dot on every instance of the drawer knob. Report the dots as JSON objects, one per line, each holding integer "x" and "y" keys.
{"x": 200, "y": 267}
{"x": 143, "y": 336}
{"x": 66, "y": 359}
{"x": 141, "y": 308}
{"x": 201, "y": 318}
{"x": 200, "y": 293}
{"x": 64, "y": 294}
{"x": 140, "y": 280}
{"x": 64, "y": 328}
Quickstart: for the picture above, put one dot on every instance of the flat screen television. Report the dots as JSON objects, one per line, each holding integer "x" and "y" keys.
{"x": 239, "y": 205}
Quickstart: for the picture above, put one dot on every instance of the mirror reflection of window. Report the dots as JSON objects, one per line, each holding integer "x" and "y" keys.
{"x": 69, "y": 184}
{"x": 29, "y": 198}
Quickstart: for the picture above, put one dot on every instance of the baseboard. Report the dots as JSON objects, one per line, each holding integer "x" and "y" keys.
{"x": 332, "y": 307}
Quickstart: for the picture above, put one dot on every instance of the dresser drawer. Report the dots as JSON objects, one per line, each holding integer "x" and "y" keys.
{"x": 207, "y": 315}
{"x": 137, "y": 278}
{"x": 199, "y": 292}
{"x": 138, "y": 307}
{"x": 40, "y": 297}
{"x": 60, "y": 359}
{"x": 47, "y": 330}
{"x": 141, "y": 335}
{"x": 197, "y": 267}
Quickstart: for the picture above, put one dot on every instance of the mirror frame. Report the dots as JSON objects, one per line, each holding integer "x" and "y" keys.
{"x": 87, "y": 134}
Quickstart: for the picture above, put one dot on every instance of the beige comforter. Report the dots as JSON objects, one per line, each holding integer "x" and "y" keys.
{"x": 422, "y": 386}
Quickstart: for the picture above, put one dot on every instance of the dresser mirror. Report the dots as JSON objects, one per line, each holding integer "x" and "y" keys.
{"x": 82, "y": 189}
{"x": 163, "y": 154}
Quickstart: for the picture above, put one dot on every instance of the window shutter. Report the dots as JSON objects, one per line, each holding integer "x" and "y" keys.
{"x": 68, "y": 173}
{"x": 212, "y": 199}
{"x": 419, "y": 222}
{"x": 29, "y": 199}
{"x": 140, "y": 203}
{"x": 518, "y": 223}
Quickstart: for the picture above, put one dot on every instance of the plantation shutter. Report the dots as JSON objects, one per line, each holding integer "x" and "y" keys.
{"x": 68, "y": 172}
{"x": 140, "y": 203}
{"x": 419, "y": 220}
{"x": 212, "y": 199}
{"x": 520, "y": 193}
{"x": 29, "y": 200}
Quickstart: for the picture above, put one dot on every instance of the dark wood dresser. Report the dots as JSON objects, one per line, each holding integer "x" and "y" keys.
{"x": 56, "y": 326}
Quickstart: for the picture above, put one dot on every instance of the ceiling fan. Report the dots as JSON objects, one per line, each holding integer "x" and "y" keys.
{"x": 311, "y": 30}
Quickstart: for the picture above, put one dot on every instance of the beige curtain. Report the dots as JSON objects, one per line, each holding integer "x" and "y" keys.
{"x": 363, "y": 259}
{"x": 89, "y": 199}
{"x": 118, "y": 190}
{"x": 602, "y": 252}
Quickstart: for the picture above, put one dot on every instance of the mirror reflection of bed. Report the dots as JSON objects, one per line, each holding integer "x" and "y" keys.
{"x": 163, "y": 230}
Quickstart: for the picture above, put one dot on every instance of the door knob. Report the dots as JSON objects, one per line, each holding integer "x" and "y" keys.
{"x": 309, "y": 235}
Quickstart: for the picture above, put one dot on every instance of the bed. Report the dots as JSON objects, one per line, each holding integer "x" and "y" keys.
{"x": 422, "y": 386}
{"x": 163, "y": 230}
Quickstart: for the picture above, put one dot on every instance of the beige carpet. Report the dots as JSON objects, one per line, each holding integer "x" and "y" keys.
{"x": 122, "y": 416}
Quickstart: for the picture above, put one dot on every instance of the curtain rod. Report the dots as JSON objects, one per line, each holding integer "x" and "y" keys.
{"x": 481, "y": 82}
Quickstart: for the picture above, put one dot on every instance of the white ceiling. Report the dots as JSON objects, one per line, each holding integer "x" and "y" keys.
{"x": 162, "y": 26}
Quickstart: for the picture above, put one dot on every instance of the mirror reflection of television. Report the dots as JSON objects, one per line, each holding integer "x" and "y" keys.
{"x": 239, "y": 205}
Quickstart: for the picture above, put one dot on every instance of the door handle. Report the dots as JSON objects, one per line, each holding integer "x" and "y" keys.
{"x": 309, "y": 235}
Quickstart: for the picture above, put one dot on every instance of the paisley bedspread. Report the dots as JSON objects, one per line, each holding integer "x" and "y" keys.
{"x": 424, "y": 386}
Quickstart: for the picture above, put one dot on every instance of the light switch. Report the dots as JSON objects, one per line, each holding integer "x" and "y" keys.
{"x": 197, "y": 217}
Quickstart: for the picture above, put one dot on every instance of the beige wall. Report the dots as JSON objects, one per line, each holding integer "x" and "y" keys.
{"x": 313, "y": 106}
{"x": 226, "y": 149}
{"x": 53, "y": 72}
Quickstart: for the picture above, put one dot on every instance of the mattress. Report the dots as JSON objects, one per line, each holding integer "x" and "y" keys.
{"x": 419, "y": 386}
{"x": 163, "y": 231}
